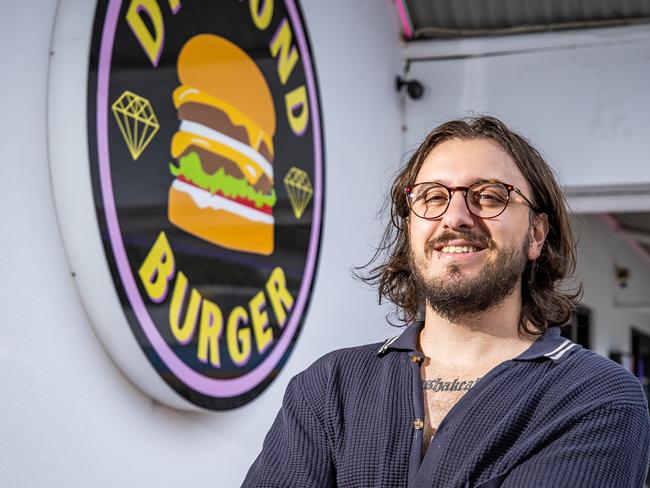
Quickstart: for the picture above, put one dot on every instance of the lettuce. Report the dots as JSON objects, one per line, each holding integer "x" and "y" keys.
{"x": 189, "y": 167}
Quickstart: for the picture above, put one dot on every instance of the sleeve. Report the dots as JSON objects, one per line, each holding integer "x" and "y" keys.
{"x": 296, "y": 451}
{"x": 606, "y": 448}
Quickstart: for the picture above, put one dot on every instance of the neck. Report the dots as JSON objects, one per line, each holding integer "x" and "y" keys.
{"x": 479, "y": 340}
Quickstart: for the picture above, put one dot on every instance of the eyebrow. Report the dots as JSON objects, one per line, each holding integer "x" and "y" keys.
{"x": 472, "y": 182}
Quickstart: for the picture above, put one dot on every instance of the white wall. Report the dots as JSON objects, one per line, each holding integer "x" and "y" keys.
{"x": 581, "y": 96}
{"x": 69, "y": 418}
{"x": 600, "y": 251}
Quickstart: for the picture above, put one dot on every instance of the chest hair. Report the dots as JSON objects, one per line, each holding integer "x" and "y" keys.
{"x": 441, "y": 392}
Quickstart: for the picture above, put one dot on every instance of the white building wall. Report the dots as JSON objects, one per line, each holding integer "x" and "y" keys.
{"x": 581, "y": 96}
{"x": 600, "y": 251}
{"x": 69, "y": 418}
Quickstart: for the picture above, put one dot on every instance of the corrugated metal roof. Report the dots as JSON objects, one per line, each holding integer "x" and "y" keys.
{"x": 459, "y": 18}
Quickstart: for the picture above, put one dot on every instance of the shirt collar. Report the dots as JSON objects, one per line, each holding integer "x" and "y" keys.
{"x": 550, "y": 345}
{"x": 406, "y": 341}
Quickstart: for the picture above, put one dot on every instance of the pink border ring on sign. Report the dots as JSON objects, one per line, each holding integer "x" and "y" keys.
{"x": 219, "y": 388}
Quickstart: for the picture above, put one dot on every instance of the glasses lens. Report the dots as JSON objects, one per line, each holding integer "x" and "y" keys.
{"x": 487, "y": 199}
{"x": 429, "y": 201}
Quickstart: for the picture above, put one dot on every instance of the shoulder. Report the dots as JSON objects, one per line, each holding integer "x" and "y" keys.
{"x": 349, "y": 372}
{"x": 598, "y": 398}
{"x": 591, "y": 377}
{"x": 348, "y": 362}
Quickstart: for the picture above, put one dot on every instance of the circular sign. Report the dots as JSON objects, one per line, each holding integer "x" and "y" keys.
{"x": 206, "y": 158}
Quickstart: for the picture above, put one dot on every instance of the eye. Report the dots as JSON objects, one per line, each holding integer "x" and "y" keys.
{"x": 435, "y": 196}
{"x": 490, "y": 194}
{"x": 486, "y": 195}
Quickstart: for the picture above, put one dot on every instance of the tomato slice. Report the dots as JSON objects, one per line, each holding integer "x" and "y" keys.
{"x": 240, "y": 200}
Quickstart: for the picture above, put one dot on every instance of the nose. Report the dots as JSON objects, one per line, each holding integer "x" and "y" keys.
{"x": 457, "y": 215}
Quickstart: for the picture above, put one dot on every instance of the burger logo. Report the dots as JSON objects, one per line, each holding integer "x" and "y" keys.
{"x": 223, "y": 191}
{"x": 207, "y": 169}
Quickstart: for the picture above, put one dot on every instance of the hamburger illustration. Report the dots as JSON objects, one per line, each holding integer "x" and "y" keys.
{"x": 223, "y": 188}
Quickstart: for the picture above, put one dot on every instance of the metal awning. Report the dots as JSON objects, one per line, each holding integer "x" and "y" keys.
{"x": 426, "y": 19}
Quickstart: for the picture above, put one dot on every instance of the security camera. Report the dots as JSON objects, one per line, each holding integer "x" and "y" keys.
{"x": 414, "y": 88}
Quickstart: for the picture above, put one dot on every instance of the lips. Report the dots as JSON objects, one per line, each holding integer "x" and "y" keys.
{"x": 448, "y": 243}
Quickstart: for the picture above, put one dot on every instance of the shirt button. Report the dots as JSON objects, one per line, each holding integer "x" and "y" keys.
{"x": 418, "y": 424}
{"x": 415, "y": 358}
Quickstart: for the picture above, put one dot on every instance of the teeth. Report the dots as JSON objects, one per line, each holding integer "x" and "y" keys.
{"x": 459, "y": 249}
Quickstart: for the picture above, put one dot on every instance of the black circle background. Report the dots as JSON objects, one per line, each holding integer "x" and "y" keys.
{"x": 141, "y": 187}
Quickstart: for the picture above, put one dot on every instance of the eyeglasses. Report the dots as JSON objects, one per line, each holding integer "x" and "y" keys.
{"x": 486, "y": 199}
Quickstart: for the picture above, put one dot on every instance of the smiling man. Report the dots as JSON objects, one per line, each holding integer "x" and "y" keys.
{"x": 479, "y": 390}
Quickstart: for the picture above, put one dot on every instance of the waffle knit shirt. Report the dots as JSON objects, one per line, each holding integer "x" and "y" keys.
{"x": 555, "y": 416}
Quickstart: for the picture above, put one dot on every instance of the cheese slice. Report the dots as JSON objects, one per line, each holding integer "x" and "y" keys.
{"x": 187, "y": 94}
{"x": 252, "y": 167}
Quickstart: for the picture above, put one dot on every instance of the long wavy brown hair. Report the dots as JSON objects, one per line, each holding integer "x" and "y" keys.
{"x": 547, "y": 297}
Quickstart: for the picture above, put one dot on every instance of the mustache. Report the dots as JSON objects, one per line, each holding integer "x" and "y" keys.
{"x": 447, "y": 236}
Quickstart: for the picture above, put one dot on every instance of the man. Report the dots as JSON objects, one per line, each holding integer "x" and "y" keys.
{"x": 480, "y": 390}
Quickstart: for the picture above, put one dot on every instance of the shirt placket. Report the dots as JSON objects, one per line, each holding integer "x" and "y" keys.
{"x": 432, "y": 457}
{"x": 417, "y": 424}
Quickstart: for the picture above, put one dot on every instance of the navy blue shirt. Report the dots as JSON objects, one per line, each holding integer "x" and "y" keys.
{"x": 555, "y": 416}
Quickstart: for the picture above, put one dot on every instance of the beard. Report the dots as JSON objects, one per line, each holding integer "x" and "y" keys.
{"x": 452, "y": 294}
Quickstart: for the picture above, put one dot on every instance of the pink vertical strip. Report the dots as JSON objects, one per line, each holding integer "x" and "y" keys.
{"x": 404, "y": 18}
{"x": 615, "y": 226}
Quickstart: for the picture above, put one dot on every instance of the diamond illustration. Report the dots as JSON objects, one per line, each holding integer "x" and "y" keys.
{"x": 299, "y": 190}
{"x": 136, "y": 120}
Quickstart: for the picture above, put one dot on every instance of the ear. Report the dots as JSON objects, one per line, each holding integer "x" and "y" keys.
{"x": 538, "y": 231}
